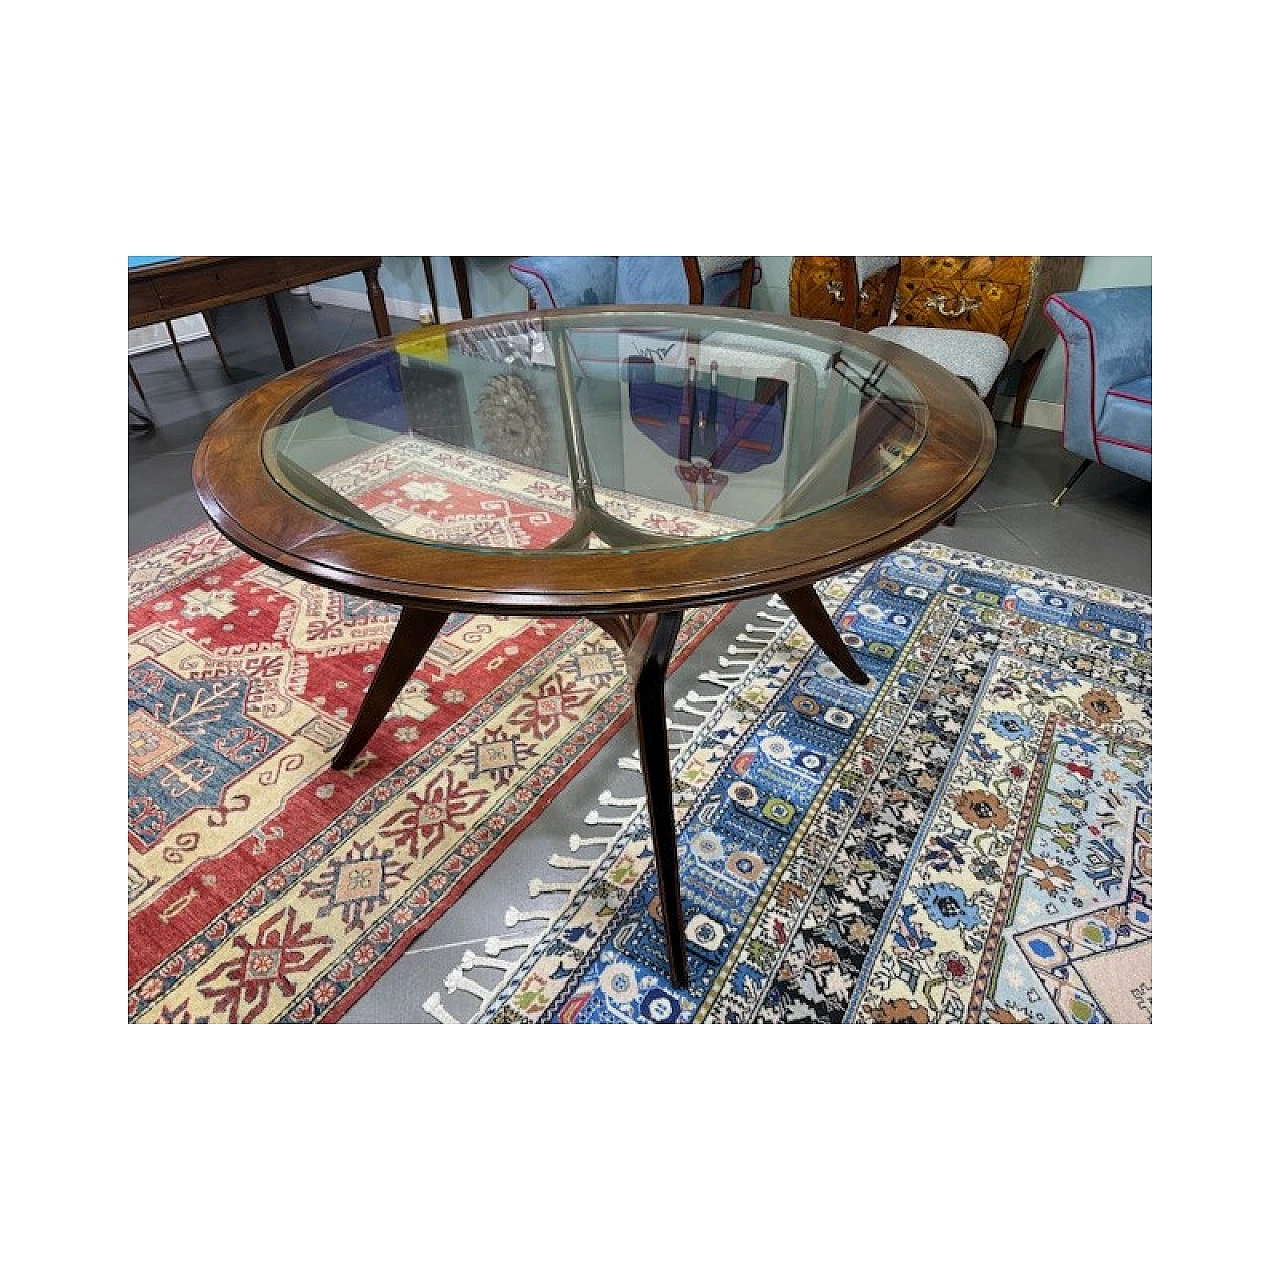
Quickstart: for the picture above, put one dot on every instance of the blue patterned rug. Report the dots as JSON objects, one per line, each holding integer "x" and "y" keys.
{"x": 966, "y": 839}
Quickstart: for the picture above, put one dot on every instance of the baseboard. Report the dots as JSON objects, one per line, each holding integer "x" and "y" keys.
{"x": 1045, "y": 414}
{"x": 151, "y": 337}
{"x": 401, "y": 308}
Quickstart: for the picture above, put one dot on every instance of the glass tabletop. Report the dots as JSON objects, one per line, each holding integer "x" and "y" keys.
{"x": 596, "y": 431}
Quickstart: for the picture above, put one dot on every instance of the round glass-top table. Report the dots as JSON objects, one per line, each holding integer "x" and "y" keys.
{"x": 624, "y": 464}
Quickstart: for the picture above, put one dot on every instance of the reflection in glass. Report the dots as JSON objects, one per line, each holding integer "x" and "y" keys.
{"x": 610, "y": 429}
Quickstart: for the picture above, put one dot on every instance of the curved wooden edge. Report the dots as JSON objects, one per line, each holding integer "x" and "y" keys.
{"x": 245, "y": 504}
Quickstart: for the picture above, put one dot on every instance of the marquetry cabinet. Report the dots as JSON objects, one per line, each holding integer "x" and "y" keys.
{"x": 829, "y": 289}
{"x": 1000, "y": 295}
{"x": 1003, "y": 296}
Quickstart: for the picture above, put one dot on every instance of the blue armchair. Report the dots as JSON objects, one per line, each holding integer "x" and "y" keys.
{"x": 1106, "y": 403}
{"x": 577, "y": 281}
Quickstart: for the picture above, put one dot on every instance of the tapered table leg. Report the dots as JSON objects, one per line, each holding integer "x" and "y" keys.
{"x": 279, "y": 332}
{"x": 647, "y": 660}
{"x": 133, "y": 377}
{"x": 411, "y": 639}
{"x": 811, "y": 615}
{"x": 175, "y": 344}
{"x": 217, "y": 346}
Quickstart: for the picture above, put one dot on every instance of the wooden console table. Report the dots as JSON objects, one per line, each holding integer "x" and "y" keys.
{"x": 165, "y": 290}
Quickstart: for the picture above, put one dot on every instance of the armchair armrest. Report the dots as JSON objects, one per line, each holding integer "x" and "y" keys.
{"x": 1107, "y": 336}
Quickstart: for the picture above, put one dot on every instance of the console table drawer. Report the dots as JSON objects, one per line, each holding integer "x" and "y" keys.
{"x": 184, "y": 286}
{"x": 985, "y": 295}
{"x": 224, "y": 279}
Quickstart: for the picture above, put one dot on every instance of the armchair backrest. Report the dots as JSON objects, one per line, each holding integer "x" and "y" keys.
{"x": 577, "y": 281}
{"x": 655, "y": 279}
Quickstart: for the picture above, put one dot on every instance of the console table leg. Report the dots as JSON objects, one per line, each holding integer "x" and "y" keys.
{"x": 648, "y": 645}
{"x": 217, "y": 346}
{"x": 811, "y": 615}
{"x": 137, "y": 386}
{"x": 278, "y": 330}
{"x": 175, "y": 344}
{"x": 411, "y": 639}
{"x": 377, "y": 302}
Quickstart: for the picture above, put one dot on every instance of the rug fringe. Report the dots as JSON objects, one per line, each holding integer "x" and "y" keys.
{"x": 683, "y": 728}
{"x": 434, "y": 1006}
{"x": 515, "y": 916}
{"x": 685, "y": 705}
{"x": 538, "y": 887}
{"x": 470, "y": 960}
{"x": 498, "y": 944}
{"x": 631, "y": 761}
{"x": 724, "y": 682}
{"x": 595, "y": 818}
{"x": 562, "y": 863}
{"x": 693, "y": 699}
{"x": 577, "y": 842}
{"x": 455, "y": 980}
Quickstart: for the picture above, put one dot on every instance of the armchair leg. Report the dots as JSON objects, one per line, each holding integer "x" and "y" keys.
{"x": 1075, "y": 475}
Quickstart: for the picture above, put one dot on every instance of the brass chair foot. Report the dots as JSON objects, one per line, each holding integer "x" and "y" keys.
{"x": 1075, "y": 475}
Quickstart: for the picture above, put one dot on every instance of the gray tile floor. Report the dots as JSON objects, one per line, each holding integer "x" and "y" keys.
{"x": 1102, "y": 533}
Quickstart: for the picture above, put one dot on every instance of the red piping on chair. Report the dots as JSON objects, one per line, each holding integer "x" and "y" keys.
{"x": 1066, "y": 351}
{"x": 1127, "y": 395}
{"x": 516, "y": 271}
{"x": 1123, "y": 444}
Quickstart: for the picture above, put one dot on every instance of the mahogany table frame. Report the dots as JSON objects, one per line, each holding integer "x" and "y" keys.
{"x": 164, "y": 291}
{"x": 637, "y": 597}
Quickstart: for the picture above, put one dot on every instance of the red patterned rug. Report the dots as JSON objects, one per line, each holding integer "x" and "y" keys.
{"x": 265, "y": 886}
